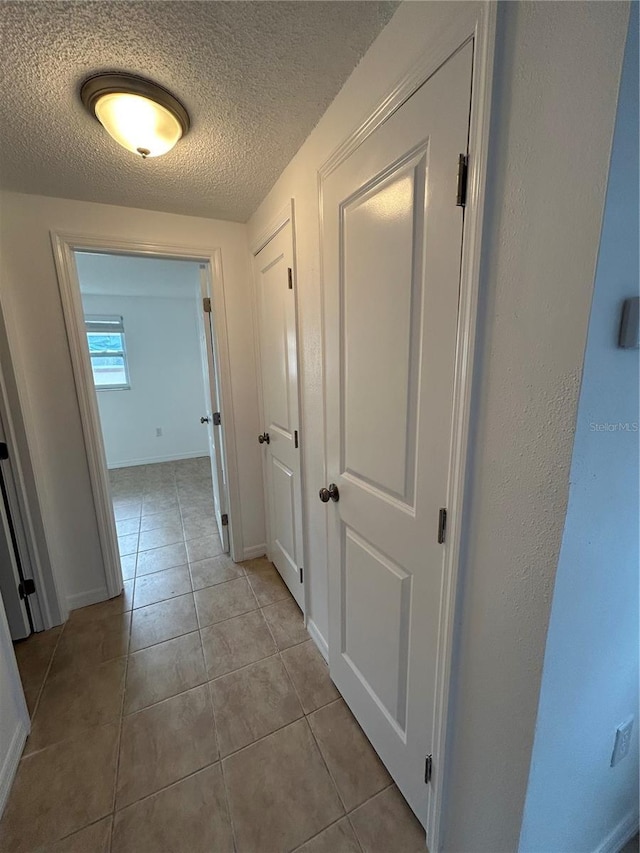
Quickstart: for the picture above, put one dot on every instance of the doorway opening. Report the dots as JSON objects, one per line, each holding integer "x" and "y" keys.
{"x": 152, "y": 351}
{"x": 105, "y": 358}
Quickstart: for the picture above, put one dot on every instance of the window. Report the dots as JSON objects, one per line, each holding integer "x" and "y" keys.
{"x": 105, "y": 336}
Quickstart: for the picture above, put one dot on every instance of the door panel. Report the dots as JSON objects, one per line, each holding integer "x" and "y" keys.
{"x": 377, "y": 590}
{"x": 279, "y": 365}
{"x": 380, "y": 308}
{"x": 282, "y": 479}
{"x": 392, "y": 247}
{"x": 275, "y": 353}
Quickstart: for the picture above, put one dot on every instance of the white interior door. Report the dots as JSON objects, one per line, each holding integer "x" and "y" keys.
{"x": 393, "y": 237}
{"x": 212, "y": 419}
{"x": 281, "y": 437}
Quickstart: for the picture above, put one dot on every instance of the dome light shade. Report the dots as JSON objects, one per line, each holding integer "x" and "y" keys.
{"x": 140, "y": 115}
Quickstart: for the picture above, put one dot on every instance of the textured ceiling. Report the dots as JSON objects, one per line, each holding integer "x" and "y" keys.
{"x": 254, "y": 76}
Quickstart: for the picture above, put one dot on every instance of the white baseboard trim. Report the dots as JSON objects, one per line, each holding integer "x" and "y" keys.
{"x": 91, "y": 596}
{"x": 150, "y": 460}
{"x": 11, "y": 761}
{"x": 318, "y": 639}
{"x": 620, "y": 834}
{"x": 254, "y": 551}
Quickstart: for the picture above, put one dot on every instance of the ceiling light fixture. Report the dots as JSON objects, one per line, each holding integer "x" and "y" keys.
{"x": 140, "y": 115}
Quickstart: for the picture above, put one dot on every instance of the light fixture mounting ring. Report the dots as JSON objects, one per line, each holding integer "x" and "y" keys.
{"x": 96, "y": 86}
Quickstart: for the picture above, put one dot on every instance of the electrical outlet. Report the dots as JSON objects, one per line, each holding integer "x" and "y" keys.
{"x": 158, "y": 432}
{"x": 622, "y": 743}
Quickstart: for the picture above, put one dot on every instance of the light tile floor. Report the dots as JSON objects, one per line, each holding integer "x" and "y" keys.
{"x": 193, "y": 713}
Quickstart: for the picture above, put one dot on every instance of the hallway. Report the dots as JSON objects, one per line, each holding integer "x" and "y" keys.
{"x": 193, "y": 713}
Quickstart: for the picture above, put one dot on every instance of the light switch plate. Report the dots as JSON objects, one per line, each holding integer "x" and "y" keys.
{"x": 630, "y": 324}
{"x": 622, "y": 742}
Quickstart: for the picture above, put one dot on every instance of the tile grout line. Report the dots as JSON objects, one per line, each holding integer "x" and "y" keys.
{"x": 324, "y": 761}
{"x": 261, "y": 738}
{"x": 207, "y": 683}
{"x": 315, "y": 740}
{"x": 198, "y": 627}
{"x": 108, "y": 816}
{"x": 226, "y": 796}
{"x": 324, "y": 829}
{"x": 149, "y": 796}
{"x": 353, "y": 829}
{"x": 44, "y": 681}
{"x": 305, "y": 717}
{"x": 120, "y": 727}
{"x": 215, "y": 731}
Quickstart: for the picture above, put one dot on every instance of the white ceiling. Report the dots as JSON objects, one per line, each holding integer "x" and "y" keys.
{"x": 127, "y": 275}
{"x": 254, "y": 76}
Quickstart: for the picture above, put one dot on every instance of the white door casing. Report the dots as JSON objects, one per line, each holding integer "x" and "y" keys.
{"x": 210, "y": 361}
{"x": 275, "y": 282}
{"x": 392, "y": 253}
{"x": 64, "y": 247}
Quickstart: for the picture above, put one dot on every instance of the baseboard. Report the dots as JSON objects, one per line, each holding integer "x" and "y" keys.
{"x": 150, "y": 460}
{"x": 11, "y": 761}
{"x": 318, "y": 639}
{"x": 84, "y": 599}
{"x": 620, "y": 834}
{"x": 254, "y": 551}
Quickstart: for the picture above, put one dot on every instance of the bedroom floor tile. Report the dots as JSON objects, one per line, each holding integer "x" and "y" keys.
{"x": 203, "y": 721}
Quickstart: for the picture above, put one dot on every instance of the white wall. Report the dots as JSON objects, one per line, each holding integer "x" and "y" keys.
{"x": 558, "y": 68}
{"x": 576, "y": 800}
{"x": 162, "y": 339}
{"x": 14, "y": 718}
{"x": 30, "y": 302}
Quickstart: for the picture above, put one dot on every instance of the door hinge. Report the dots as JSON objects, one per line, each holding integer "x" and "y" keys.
{"x": 217, "y": 420}
{"x": 225, "y": 519}
{"x": 295, "y": 437}
{"x": 290, "y": 277}
{"x": 461, "y": 192}
{"x": 4, "y": 450}
{"x": 301, "y": 575}
{"x": 442, "y": 525}
{"x": 206, "y": 305}
{"x": 428, "y": 767}
{"x": 26, "y": 587}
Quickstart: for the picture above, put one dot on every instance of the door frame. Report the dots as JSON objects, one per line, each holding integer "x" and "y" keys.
{"x": 211, "y": 356}
{"x": 285, "y": 215}
{"x": 458, "y": 25}
{"x": 64, "y": 246}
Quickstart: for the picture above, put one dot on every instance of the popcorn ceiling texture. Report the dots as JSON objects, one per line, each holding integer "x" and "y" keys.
{"x": 254, "y": 76}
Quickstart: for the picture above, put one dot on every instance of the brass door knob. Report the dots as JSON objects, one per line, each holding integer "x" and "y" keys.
{"x": 332, "y": 493}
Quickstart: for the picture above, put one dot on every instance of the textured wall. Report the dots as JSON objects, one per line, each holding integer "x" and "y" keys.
{"x": 575, "y": 799}
{"x": 166, "y": 379}
{"x": 557, "y": 75}
{"x": 160, "y": 303}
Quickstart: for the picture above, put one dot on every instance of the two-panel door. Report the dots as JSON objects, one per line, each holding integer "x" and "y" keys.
{"x": 274, "y": 275}
{"x": 392, "y": 247}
